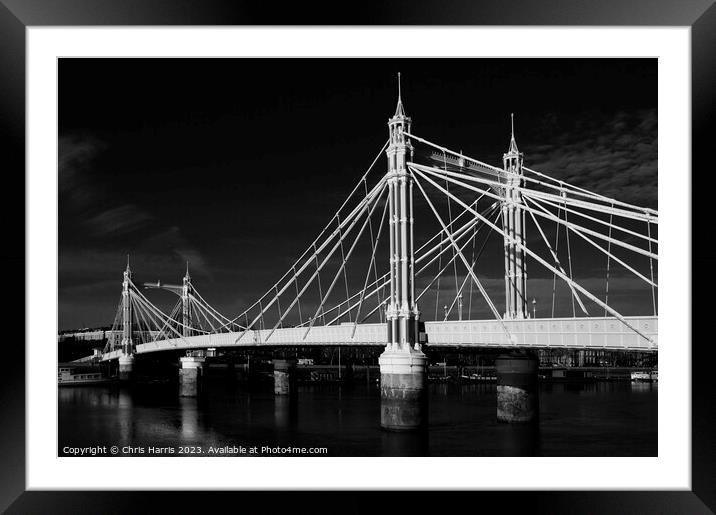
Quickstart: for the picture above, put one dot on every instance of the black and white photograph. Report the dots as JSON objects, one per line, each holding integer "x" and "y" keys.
{"x": 357, "y": 257}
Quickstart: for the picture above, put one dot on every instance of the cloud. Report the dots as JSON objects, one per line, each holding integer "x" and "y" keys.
{"x": 171, "y": 242}
{"x": 118, "y": 220}
{"x": 88, "y": 206}
{"x": 615, "y": 155}
{"x": 98, "y": 229}
{"x": 75, "y": 155}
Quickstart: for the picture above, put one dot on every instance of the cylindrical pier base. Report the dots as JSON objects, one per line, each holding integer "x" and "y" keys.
{"x": 517, "y": 389}
{"x": 284, "y": 376}
{"x": 403, "y": 389}
{"x": 126, "y": 364}
{"x": 190, "y": 371}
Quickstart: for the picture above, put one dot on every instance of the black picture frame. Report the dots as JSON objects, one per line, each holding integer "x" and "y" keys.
{"x": 17, "y": 15}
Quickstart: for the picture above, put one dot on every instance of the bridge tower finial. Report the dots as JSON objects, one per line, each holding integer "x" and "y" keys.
{"x": 513, "y": 151}
{"x": 399, "y": 110}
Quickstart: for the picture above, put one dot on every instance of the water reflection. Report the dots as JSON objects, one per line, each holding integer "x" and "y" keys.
{"x": 285, "y": 411}
{"x": 189, "y": 426}
{"x": 409, "y": 443}
{"x": 520, "y": 439}
{"x": 639, "y": 386}
{"x": 590, "y": 388}
{"x": 577, "y": 419}
{"x": 125, "y": 417}
{"x": 93, "y": 397}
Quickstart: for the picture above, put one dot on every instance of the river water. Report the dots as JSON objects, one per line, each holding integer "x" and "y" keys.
{"x": 576, "y": 419}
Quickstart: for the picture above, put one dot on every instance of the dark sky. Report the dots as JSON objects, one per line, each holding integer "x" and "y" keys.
{"x": 237, "y": 164}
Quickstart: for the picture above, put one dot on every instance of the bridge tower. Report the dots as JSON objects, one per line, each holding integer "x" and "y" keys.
{"x": 185, "y": 313}
{"x": 517, "y": 384}
{"x": 402, "y": 364}
{"x": 513, "y": 222}
{"x": 126, "y": 359}
{"x": 191, "y": 367}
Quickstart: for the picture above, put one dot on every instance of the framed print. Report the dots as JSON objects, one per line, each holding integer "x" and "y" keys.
{"x": 330, "y": 257}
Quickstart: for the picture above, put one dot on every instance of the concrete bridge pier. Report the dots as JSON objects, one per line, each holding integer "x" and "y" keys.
{"x": 517, "y": 387}
{"x": 403, "y": 389}
{"x": 284, "y": 376}
{"x": 190, "y": 373}
{"x": 126, "y": 365}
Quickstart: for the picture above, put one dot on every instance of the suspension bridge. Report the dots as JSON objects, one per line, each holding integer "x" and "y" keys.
{"x": 407, "y": 227}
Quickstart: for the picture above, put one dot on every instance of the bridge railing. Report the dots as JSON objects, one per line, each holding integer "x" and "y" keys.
{"x": 577, "y": 333}
{"x": 569, "y": 333}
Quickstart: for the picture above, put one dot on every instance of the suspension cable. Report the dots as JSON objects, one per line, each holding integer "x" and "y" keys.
{"x": 486, "y": 212}
{"x": 376, "y": 200}
{"x": 462, "y": 257}
{"x": 641, "y": 214}
{"x": 437, "y": 293}
{"x": 278, "y": 305}
{"x": 355, "y": 219}
{"x": 651, "y": 269}
{"x": 578, "y": 232}
{"x": 343, "y": 259}
{"x": 326, "y": 227}
{"x": 351, "y": 220}
{"x": 320, "y": 288}
{"x": 500, "y": 173}
{"x": 556, "y": 260}
{"x": 371, "y": 264}
{"x": 437, "y": 172}
{"x": 474, "y": 260}
{"x": 300, "y": 316}
{"x": 375, "y": 268}
{"x": 449, "y": 204}
{"x": 569, "y": 255}
{"x": 609, "y": 249}
{"x": 538, "y": 259}
{"x": 575, "y": 295}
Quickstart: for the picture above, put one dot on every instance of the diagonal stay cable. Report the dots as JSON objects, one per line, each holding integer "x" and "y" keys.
{"x": 462, "y": 257}
{"x": 590, "y": 241}
{"x": 346, "y": 258}
{"x": 323, "y": 231}
{"x": 473, "y": 261}
{"x": 436, "y": 172}
{"x": 556, "y": 260}
{"x": 375, "y": 241}
{"x": 350, "y": 220}
{"x": 537, "y": 258}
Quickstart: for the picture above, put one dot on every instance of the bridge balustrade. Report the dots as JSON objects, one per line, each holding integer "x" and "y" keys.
{"x": 570, "y": 333}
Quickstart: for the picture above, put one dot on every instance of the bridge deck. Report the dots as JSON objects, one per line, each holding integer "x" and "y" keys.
{"x": 539, "y": 333}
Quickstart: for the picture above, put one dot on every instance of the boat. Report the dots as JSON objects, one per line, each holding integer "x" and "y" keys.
{"x": 481, "y": 377}
{"x": 641, "y": 376}
{"x": 71, "y": 376}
